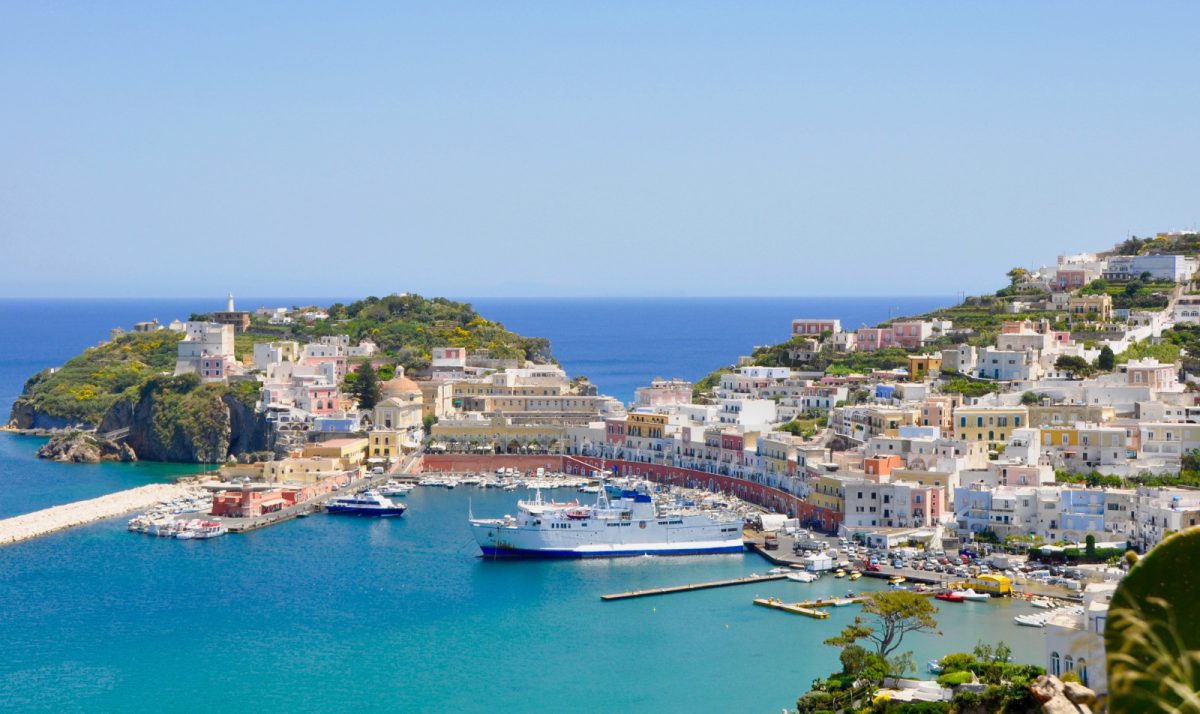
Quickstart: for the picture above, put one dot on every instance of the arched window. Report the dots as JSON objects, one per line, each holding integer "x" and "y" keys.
{"x": 1069, "y": 663}
{"x": 1083, "y": 674}
{"x": 1055, "y": 666}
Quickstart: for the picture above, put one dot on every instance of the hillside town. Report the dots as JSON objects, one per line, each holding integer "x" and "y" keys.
{"x": 1059, "y": 414}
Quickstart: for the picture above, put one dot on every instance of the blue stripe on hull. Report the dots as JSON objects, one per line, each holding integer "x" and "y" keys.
{"x": 494, "y": 552}
{"x": 379, "y": 512}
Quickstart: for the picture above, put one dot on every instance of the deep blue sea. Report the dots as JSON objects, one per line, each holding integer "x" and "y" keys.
{"x": 330, "y": 613}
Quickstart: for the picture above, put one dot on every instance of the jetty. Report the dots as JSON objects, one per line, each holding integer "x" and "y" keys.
{"x": 693, "y": 586}
{"x": 796, "y": 608}
{"x": 69, "y": 515}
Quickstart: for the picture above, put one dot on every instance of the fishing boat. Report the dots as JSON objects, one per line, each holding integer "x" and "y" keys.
{"x": 367, "y": 503}
{"x": 950, "y": 597}
{"x": 625, "y": 526}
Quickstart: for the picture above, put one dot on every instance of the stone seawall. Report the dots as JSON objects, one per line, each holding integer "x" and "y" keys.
{"x": 69, "y": 515}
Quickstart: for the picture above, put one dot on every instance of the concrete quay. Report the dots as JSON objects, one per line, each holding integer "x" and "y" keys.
{"x": 69, "y": 515}
{"x": 401, "y": 471}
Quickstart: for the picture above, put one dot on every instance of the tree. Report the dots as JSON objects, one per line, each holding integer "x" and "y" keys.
{"x": 1077, "y": 366}
{"x": 1017, "y": 275}
{"x": 895, "y": 613}
{"x": 1107, "y": 360}
{"x": 365, "y": 388}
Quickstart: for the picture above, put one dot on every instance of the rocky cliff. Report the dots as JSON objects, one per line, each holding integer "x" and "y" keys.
{"x": 179, "y": 419}
{"x": 79, "y": 447}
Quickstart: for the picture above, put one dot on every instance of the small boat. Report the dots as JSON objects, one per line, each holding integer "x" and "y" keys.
{"x": 1030, "y": 620}
{"x": 950, "y": 597}
{"x": 393, "y": 489}
{"x": 934, "y": 666}
{"x": 367, "y": 503}
{"x": 855, "y": 575}
{"x": 970, "y": 594}
{"x": 839, "y": 573}
{"x": 802, "y": 576}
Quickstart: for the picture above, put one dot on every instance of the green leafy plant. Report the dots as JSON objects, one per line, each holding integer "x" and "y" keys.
{"x": 1152, "y": 637}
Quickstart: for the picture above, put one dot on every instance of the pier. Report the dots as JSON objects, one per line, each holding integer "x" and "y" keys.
{"x": 797, "y": 608}
{"x": 694, "y": 586}
{"x": 70, "y": 515}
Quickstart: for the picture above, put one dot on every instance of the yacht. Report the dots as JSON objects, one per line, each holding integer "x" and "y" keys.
{"x": 367, "y": 503}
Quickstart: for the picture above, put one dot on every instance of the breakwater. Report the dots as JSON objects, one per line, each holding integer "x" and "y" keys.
{"x": 69, "y": 515}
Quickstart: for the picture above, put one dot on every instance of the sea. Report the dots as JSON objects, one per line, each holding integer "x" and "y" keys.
{"x": 330, "y": 613}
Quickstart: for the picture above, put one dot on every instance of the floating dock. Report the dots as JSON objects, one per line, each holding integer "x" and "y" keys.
{"x": 796, "y": 608}
{"x": 694, "y": 586}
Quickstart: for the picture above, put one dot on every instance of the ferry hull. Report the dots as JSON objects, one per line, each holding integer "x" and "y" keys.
{"x": 623, "y": 551}
{"x": 355, "y": 511}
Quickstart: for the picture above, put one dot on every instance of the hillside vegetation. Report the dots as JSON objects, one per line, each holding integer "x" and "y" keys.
{"x": 83, "y": 390}
{"x": 407, "y": 328}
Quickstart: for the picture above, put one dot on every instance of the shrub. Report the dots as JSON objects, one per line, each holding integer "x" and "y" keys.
{"x": 953, "y": 679}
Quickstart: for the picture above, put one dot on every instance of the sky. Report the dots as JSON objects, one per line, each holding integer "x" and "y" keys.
{"x": 584, "y": 148}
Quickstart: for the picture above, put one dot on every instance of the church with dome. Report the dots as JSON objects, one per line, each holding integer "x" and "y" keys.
{"x": 396, "y": 421}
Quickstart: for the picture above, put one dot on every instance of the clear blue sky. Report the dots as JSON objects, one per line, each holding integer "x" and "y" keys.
{"x": 622, "y": 148}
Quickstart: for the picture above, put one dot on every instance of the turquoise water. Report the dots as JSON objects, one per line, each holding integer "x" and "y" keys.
{"x": 28, "y": 483}
{"x": 325, "y": 613}
{"x": 402, "y": 615}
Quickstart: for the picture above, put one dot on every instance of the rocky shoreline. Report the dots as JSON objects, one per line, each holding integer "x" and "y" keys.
{"x": 80, "y": 447}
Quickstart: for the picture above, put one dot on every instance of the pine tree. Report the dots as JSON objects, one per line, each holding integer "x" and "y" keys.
{"x": 366, "y": 388}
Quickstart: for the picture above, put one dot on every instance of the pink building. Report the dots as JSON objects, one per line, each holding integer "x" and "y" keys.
{"x": 814, "y": 328}
{"x": 614, "y": 430}
{"x": 215, "y": 368}
{"x": 320, "y": 399}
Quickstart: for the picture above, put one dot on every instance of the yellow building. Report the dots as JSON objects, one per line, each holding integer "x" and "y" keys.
{"x": 304, "y": 470}
{"x": 645, "y": 425}
{"x": 828, "y": 491}
{"x": 350, "y": 452}
{"x": 498, "y": 434}
{"x": 991, "y": 425}
{"x": 386, "y": 444}
{"x": 1097, "y": 307}
{"x": 922, "y": 366}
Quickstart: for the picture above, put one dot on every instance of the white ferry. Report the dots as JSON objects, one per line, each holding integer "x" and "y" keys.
{"x": 629, "y": 525}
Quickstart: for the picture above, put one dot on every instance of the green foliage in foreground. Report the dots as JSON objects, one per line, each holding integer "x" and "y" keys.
{"x": 1153, "y": 631}
{"x": 85, "y": 387}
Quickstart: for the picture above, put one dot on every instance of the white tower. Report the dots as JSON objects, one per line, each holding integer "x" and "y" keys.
{"x": 229, "y": 303}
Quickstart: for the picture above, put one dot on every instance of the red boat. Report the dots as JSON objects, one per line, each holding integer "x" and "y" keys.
{"x": 950, "y": 597}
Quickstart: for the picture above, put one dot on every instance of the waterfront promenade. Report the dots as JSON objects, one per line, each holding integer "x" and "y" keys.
{"x": 70, "y": 515}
